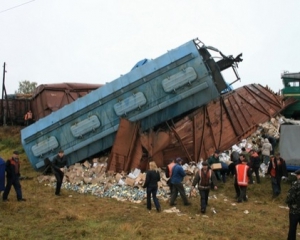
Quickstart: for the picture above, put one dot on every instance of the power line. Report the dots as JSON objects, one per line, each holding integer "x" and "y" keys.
{"x": 16, "y": 6}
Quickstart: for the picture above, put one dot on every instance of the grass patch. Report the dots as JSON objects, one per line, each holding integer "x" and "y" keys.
{"x": 81, "y": 216}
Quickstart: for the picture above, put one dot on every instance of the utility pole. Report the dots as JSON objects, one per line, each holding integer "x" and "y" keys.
{"x": 4, "y": 111}
{"x": 2, "y": 102}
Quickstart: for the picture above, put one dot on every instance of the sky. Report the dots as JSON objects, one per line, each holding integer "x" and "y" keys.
{"x": 96, "y": 41}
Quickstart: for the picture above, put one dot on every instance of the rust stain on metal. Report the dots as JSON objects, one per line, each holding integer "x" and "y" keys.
{"x": 126, "y": 152}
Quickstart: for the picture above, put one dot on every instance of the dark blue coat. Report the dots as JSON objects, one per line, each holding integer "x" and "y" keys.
{"x": 2, "y": 174}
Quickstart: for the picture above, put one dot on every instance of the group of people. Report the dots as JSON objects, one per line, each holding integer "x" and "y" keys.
{"x": 11, "y": 168}
{"x": 205, "y": 179}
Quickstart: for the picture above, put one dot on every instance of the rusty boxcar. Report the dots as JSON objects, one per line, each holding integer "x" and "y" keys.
{"x": 48, "y": 98}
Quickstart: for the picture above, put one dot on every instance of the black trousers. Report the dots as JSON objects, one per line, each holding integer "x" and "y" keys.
{"x": 256, "y": 171}
{"x": 178, "y": 187}
{"x": 59, "y": 175}
{"x": 203, "y": 198}
{"x": 243, "y": 193}
{"x": 236, "y": 188}
{"x": 294, "y": 221}
{"x": 17, "y": 186}
{"x": 152, "y": 191}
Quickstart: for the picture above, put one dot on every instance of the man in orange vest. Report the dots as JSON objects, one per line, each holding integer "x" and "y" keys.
{"x": 242, "y": 178}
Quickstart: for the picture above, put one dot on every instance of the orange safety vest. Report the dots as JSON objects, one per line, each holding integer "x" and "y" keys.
{"x": 170, "y": 166}
{"x": 242, "y": 174}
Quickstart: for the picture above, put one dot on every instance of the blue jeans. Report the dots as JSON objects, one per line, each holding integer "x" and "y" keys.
{"x": 152, "y": 191}
{"x": 266, "y": 159}
{"x": 275, "y": 186}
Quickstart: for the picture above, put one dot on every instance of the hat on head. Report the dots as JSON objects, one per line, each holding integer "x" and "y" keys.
{"x": 16, "y": 152}
{"x": 297, "y": 172}
{"x": 204, "y": 163}
{"x": 178, "y": 160}
{"x": 217, "y": 151}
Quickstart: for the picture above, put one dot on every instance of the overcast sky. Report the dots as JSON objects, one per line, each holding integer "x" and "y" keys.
{"x": 95, "y": 41}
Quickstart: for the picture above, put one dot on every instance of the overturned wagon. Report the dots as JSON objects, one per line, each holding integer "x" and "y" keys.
{"x": 161, "y": 89}
{"x": 217, "y": 125}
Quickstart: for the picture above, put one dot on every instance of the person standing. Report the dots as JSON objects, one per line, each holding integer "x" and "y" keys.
{"x": 169, "y": 173}
{"x": 215, "y": 159}
{"x": 152, "y": 177}
{"x": 205, "y": 179}
{"x": 283, "y": 173}
{"x": 13, "y": 177}
{"x": 28, "y": 118}
{"x": 266, "y": 151}
{"x": 277, "y": 169}
{"x": 59, "y": 162}
{"x": 176, "y": 180}
{"x": 2, "y": 175}
{"x": 234, "y": 158}
{"x": 255, "y": 164}
{"x": 242, "y": 177}
{"x": 293, "y": 202}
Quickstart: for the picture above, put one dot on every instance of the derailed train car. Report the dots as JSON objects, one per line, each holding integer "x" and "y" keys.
{"x": 161, "y": 89}
{"x": 217, "y": 125}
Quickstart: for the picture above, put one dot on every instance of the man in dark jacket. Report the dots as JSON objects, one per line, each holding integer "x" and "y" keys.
{"x": 277, "y": 169}
{"x": 176, "y": 179}
{"x": 2, "y": 175}
{"x": 13, "y": 177}
{"x": 215, "y": 159}
{"x": 293, "y": 201}
{"x": 204, "y": 178}
{"x": 255, "y": 164}
{"x": 58, "y": 163}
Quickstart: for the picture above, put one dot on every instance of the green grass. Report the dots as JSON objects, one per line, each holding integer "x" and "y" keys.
{"x": 83, "y": 216}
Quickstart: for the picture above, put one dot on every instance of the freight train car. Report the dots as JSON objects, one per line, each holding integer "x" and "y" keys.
{"x": 159, "y": 90}
{"x": 48, "y": 98}
{"x": 14, "y": 108}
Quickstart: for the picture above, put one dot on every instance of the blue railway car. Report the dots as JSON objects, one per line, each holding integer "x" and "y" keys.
{"x": 158, "y": 90}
